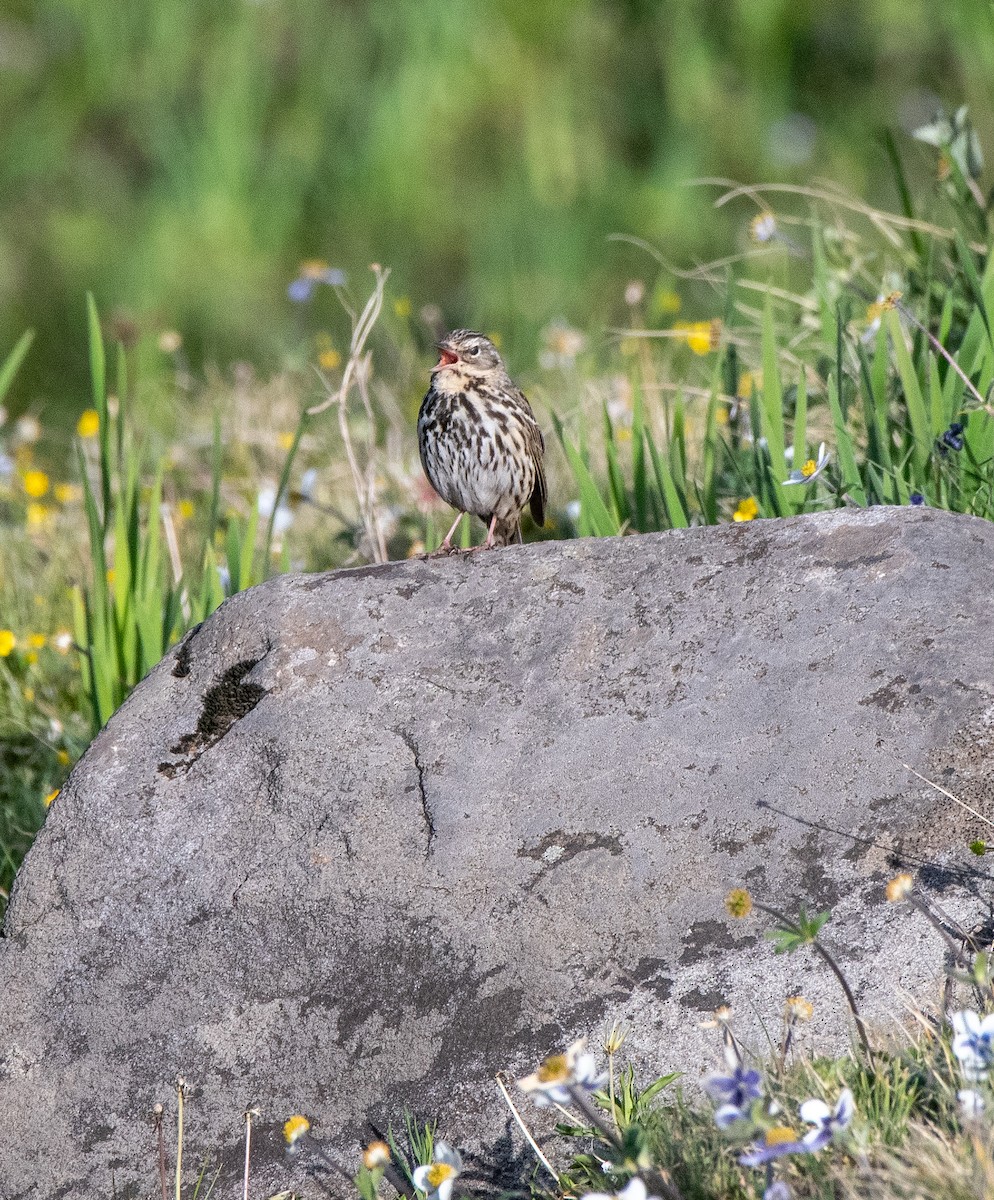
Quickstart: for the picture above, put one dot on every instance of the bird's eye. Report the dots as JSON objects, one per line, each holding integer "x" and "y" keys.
{"x": 474, "y": 350}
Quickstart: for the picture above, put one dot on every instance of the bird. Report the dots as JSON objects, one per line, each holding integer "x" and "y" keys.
{"x": 480, "y": 444}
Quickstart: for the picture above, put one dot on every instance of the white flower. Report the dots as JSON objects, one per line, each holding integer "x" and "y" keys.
{"x": 971, "y": 1103}
{"x": 436, "y": 1178}
{"x": 562, "y": 345}
{"x": 635, "y": 1189}
{"x": 284, "y": 514}
{"x": 811, "y": 469}
{"x": 763, "y": 227}
{"x": 554, "y": 1079}
{"x": 308, "y": 481}
{"x": 972, "y": 1044}
{"x": 827, "y": 1122}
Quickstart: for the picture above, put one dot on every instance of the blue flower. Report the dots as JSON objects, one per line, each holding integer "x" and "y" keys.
{"x": 826, "y": 1121}
{"x": 916, "y": 500}
{"x": 313, "y": 272}
{"x": 972, "y": 1044}
{"x": 733, "y": 1093}
{"x": 777, "y": 1191}
{"x": 301, "y": 290}
{"x": 952, "y": 439}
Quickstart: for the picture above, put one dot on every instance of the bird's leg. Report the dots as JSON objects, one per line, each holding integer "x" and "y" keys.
{"x": 489, "y": 543}
{"x": 446, "y": 546}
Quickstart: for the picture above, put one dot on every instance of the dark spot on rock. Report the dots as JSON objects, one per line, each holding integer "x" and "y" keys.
{"x": 702, "y": 1001}
{"x": 225, "y": 702}
{"x": 887, "y": 697}
{"x": 707, "y": 936}
{"x": 184, "y": 653}
{"x": 650, "y": 973}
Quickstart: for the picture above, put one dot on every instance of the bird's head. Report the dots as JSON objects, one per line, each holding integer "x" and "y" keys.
{"x": 468, "y": 352}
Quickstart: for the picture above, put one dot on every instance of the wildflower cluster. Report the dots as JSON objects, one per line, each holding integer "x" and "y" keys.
{"x": 973, "y": 1046}
{"x": 743, "y": 1110}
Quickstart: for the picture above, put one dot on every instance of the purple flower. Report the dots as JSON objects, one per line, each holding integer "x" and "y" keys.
{"x": 313, "y": 272}
{"x": 916, "y": 500}
{"x": 827, "y": 1122}
{"x": 733, "y": 1093}
{"x": 973, "y": 1044}
{"x": 952, "y": 439}
{"x": 301, "y": 290}
{"x": 777, "y": 1191}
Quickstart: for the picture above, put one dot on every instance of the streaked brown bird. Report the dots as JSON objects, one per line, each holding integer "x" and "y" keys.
{"x": 480, "y": 444}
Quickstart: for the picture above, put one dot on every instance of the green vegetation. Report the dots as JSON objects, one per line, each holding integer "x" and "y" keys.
{"x": 178, "y": 160}
{"x": 907, "y": 1117}
{"x": 698, "y": 352}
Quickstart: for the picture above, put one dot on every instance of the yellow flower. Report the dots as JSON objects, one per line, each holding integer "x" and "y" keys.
{"x": 36, "y": 640}
{"x": 668, "y": 303}
{"x": 88, "y": 425}
{"x": 50, "y": 797}
{"x": 313, "y": 268}
{"x": 328, "y": 360}
{"x": 35, "y": 483}
{"x": 285, "y": 441}
{"x": 295, "y": 1128}
{"x": 747, "y": 385}
{"x": 63, "y": 758}
{"x": 37, "y": 514}
{"x": 185, "y": 509}
{"x": 402, "y": 306}
{"x": 376, "y": 1154}
{"x": 798, "y": 1008}
{"x": 900, "y": 887}
{"x": 29, "y": 695}
{"x": 7, "y": 642}
{"x": 738, "y": 903}
{"x": 747, "y": 510}
{"x": 111, "y": 576}
{"x": 809, "y": 468}
{"x": 884, "y": 304}
{"x": 66, "y": 493}
{"x": 779, "y": 1135}
{"x": 700, "y": 336}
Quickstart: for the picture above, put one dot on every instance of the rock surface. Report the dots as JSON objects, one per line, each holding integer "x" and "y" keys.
{"x": 365, "y": 839}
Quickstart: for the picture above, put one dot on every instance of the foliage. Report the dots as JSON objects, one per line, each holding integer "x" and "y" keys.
{"x": 486, "y": 150}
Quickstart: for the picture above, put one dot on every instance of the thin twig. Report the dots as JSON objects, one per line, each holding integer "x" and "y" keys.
{"x": 356, "y": 371}
{"x": 180, "y": 1091}
{"x": 955, "y": 799}
{"x": 249, "y": 1113}
{"x": 160, "y": 1137}
{"x": 525, "y": 1130}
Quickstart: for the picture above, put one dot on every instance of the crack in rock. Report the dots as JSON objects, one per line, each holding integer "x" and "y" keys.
{"x": 426, "y": 814}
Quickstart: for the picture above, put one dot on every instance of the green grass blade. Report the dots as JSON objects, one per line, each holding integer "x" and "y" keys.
{"x": 12, "y": 362}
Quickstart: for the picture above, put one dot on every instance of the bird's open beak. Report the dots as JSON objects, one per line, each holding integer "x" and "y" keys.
{"x": 448, "y": 357}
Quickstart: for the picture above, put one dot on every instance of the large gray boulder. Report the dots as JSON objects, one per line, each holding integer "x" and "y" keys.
{"x": 367, "y": 838}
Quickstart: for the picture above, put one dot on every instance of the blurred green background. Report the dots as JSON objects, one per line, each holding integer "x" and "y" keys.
{"x": 180, "y": 159}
